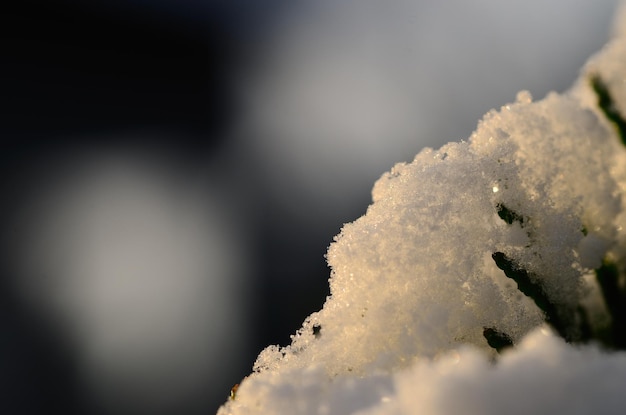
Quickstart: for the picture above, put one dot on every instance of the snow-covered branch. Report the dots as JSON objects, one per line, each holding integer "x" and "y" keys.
{"x": 484, "y": 273}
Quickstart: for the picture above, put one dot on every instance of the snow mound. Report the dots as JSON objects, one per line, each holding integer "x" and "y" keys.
{"x": 466, "y": 250}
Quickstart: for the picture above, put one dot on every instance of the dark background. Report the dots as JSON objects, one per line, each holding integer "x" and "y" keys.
{"x": 158, "y": 77}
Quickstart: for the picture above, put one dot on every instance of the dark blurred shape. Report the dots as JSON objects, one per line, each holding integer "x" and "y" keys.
{"x": 74, "y": 68}
{"x": 82, "y": 78}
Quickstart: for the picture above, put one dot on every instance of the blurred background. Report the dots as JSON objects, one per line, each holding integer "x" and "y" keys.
{"x": 172, "y": 171}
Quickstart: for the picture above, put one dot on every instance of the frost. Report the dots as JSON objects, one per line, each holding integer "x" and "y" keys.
{"x": 468, "y": 252}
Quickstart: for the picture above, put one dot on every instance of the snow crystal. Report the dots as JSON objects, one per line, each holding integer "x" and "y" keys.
{"x": 464, "y": 251}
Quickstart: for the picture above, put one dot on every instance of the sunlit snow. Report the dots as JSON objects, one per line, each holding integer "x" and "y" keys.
{"x": 443, "y": 266}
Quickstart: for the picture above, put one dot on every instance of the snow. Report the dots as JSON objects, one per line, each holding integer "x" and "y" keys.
{"x": 447, "y": 250}
{"x": 573, "y": 380}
